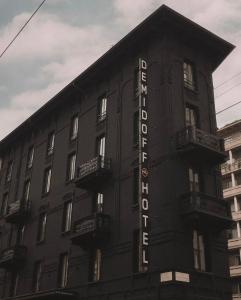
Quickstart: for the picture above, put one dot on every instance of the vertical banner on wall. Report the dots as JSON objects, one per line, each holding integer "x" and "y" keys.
{"x": 143, "y": 167}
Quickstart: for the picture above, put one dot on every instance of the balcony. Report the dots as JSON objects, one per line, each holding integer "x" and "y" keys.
{"x": 234, "y": 243}
{"x": 93, "y": 173}
{"x": 13, "y": 258}
{"x": 58, "y": 294}
{"x": 202, "y": 211}
{"x": 18, "y": 211}
{"x": 91, "y": 231}
{"x": 235, "y": 271}
{"x": 187, "y": 284}
{"x": 198, "y": 144}
{"x": 227, "y": 167}
{"x": 233, "y": 142}
{"x": 232, "y": 191}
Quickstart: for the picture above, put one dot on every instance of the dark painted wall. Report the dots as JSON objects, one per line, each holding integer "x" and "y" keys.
{"x": 171, "y": 239}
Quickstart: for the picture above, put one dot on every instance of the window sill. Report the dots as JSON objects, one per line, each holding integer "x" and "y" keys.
{"x": 38, "y": 243}
{"x": 73, "y": 139}
{"x": 191, "y": 90}
{"x": 67, "y": 182}
{"x": 45, "y": 195}
{"x": 94, "y": 282}
{"x": 139, "y": 274}
{"x": 65, "y": 233}
{"x": 135, "y": 206}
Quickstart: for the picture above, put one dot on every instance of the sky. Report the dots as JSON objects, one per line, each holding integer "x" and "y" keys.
{"x": 66, "y": 36}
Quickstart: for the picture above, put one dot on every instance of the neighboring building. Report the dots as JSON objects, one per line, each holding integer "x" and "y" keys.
{"x": 111, "y": 189}
{"x": 231, "y": 171}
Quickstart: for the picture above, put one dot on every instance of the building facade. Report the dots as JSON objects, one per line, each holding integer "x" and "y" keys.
{"x": 112, "y": 189}
{"x": 232, "y": 193}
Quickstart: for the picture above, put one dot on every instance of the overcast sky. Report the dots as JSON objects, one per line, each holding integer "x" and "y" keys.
{"x": 66, "y": 36}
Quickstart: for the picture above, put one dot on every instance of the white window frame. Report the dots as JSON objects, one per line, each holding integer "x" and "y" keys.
{"x": 47, "y": 180}
{"x": 67, "y": 216}
{"x": 37, "y": 275}
{"x": 42, "y": 227}
{"x": 102, "y": 109}
{"x": 51, "y": 143}
{"x": 188, "y": 75}
{"x": 63, "y": 270}
{"x": 199, "y": 251}
{"x": 71, "y": 166}
{"x": 74, "y": 127}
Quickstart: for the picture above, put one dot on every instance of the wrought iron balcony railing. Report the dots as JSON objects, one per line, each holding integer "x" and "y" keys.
{"x": 205, "y": 210}
{"x": 91, "y": 230}
{"x": 201, "y": 144}
{"x": 93, "y": 172}
{"x": 13, "y": 257}
{"x": 18, "y": 211}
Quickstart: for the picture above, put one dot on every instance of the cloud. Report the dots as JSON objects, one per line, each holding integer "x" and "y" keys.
{"x": 48, "y": 37}
{"x": 59, "y": 51}
{"x": 51, "y": 51}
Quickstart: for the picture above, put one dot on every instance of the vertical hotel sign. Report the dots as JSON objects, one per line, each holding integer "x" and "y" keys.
{"x": 143, "y": 167}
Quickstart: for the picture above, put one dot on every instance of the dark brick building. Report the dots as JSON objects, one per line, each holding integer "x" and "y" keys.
{"x": 112, "y": 189}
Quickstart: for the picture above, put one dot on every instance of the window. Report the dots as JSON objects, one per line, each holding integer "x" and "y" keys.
{"x": 199, "y": 251}
{"x": 233, "y": 232}
{"x": 102, "y": 105}
{"x": 239, "y": 203}
{"x": 236, "y": 286}
{"x": 98, "y": 203}
{"x": 1, "y": 163}
{"x": 71, "y": 167}
{"x": 30, "y": 157}
{"x": 194, "y": 180}
{"x": 232, "y": 206}
{"x": 50, "y": 144}
{"x": 237, "y": 179}
{"x": 26, "y": 191}
{"x": 227, "y": 182}
{"x": 67, "y": 215}
{"x": 100, "y": 146}
{"x": 20, "y": 234}
{"x": 136, "y": 251}
{"x": 47, "y": 181}
{"x": 74, "y": 126}
{"x": 63, "y": 270}
{"x": 188, "y": 75}
{"x": 14, "y": 284}
{"x": 4, "y": 206}
{"x": 234, "y": 258}
{"x": 95, "y": 265}
{"x": 191, "y": 116}
{"x": 136, "y": 128}
{"x": 37, "y": 270}
{"x": 9, "y": 171}
{"x": 42, "y": 227}
{"x": 135, "y": 186}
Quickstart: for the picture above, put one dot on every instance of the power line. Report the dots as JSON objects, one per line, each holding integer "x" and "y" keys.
{"x": 226, "y": 108}
{"x": 21, "y": 29}
{"x": 221, "y": 84}
{"x": 228, "y": 90}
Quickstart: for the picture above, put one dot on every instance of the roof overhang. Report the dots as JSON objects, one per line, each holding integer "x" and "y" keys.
{"x": 163, "y": 19}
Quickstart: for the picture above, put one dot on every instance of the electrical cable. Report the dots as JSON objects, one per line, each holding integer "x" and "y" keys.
{"x": 226, "y": 108}
{"x": 21, "y": 29}
{"x": 221, "y": 84}
{"x": 228, "y": 90}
